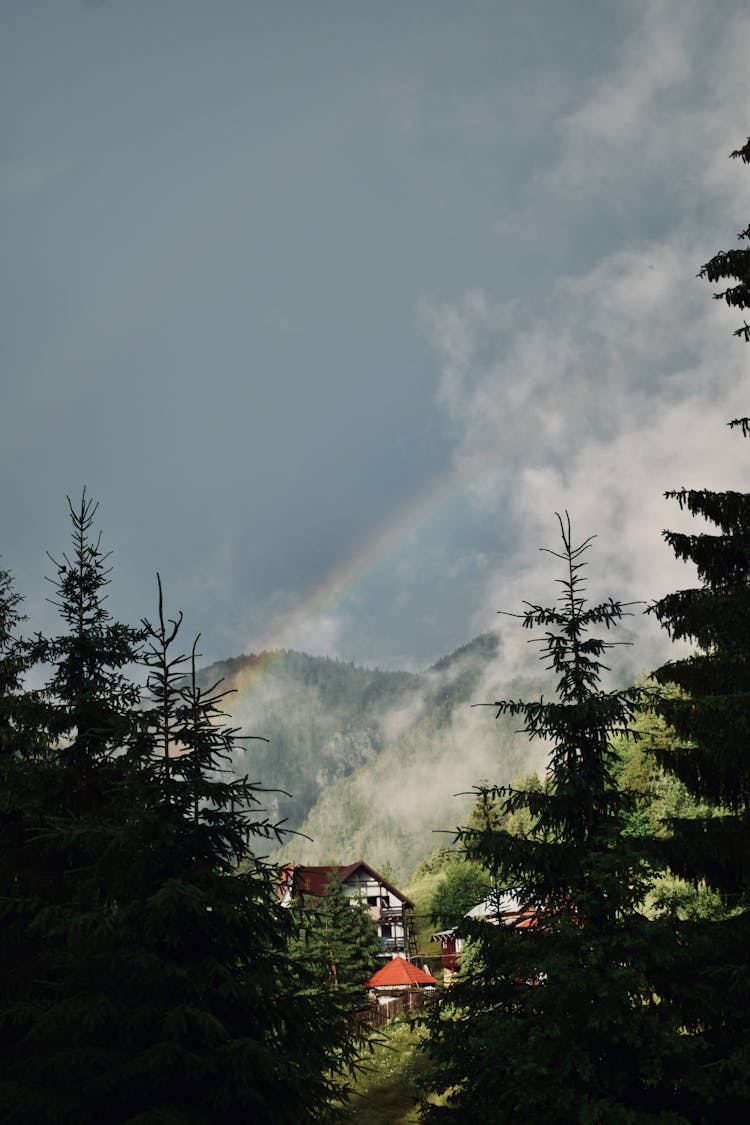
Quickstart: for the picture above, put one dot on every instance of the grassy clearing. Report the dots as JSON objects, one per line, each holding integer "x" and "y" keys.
{"x": 421, "y": 891}
{"x": 387, "y": 1092}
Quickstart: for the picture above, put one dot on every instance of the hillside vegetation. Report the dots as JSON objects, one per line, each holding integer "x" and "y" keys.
{"x": 376, "y": 763}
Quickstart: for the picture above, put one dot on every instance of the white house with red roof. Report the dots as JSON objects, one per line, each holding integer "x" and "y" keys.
{"x": 390, "y": 909}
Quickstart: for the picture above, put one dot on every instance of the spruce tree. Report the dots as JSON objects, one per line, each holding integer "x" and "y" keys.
{"x": 18, "y": 796}
{"x": 89, "y": 696}
{"x": 15, "y": 659}
{"x": 338, "y": 942}
{"x": 556, "y": 1020}
{"x": 710, "y": 847}
{"x": 224, "y": 1025}
{"x": 68, "y": 810}
{"x": 144, "y": 978}
{"x": 733, "y": 265}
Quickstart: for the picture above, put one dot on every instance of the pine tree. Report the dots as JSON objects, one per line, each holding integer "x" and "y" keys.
{"x": 66, "y": 797}
{"x": 556, "y": 1021}
{"x": 15, "y": 660}
{"x": 733, "y": 265}
{"x": 17, "y": 802}
{"x": 338, "y": 942}
{"x": 710, "y": 980}
{"x": 225, "y": 1025}
{"x": 148, "y": 980}
{"x": 90, "y": 698}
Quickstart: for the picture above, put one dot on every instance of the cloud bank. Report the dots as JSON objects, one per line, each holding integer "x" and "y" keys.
{"x": 613, "y": 384}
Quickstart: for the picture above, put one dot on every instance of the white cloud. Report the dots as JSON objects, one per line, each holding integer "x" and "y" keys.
{"x": 669, "y": 108}
{"x": 614, "y": 390}
{"x": 615, "y": 384}
{"x": 322, "y": 636}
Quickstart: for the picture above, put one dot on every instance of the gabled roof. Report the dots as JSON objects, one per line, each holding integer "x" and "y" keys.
{"x": 399, "y": 971}
{"x": 496, "y": 906}
{"x": 313, "y": 881}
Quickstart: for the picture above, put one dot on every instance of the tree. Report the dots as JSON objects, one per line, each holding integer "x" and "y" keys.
{"x": 487, "y": 809}
{"x": 338, "y": 940}
{"x": 230, "y": 1026}
{"x": 558, "y": 1021}
{"x": 733, "y": 265}
{"x": 152, "y": 980}
{"x": 65, "y": 807}
{"x": 89, "y": 698}
{"x": 17, "y": 801}
{"x": 709, "y": 757}
{"x": 15, "y": 659}
{"x": 465, "y": 885}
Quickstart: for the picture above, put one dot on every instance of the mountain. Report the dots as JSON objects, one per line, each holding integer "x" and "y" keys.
{"x": 371, "y": 761}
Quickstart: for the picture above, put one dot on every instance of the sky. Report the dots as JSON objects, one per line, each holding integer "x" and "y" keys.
{"x": 333, "y": 305}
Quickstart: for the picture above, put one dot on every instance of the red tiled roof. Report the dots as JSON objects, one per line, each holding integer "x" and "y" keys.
{"x": 399, "y": 971}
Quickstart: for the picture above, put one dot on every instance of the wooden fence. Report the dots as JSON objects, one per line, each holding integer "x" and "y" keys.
{"x": 383, "y": 1010}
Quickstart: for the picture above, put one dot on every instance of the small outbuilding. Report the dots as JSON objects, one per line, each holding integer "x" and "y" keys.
{"x": 400, "y": 973}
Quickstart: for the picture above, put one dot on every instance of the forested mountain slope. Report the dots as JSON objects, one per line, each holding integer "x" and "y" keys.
{"x": 372, "y": 759}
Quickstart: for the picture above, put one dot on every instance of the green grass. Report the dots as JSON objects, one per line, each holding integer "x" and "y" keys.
{"x": 386, "y": 1092}
{"x": 421, "y": 891}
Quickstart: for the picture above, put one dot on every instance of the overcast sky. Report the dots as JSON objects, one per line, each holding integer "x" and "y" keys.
{"x": 332, "y": 304}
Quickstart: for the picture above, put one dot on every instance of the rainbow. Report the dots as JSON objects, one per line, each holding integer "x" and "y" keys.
{"x": 413, "y": 515}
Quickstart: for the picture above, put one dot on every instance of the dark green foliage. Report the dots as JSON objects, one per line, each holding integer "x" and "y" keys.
{"x": 558, "y": 1021}
{"x": 17, "y": 800}
{"x": 659, "y": 796}
{"x": 465, "y": 885}
{"x": 488, "y": 810}
{"x": 708, "y": 844}
{"x": 142, "y": 978}
{"x": 338, "y": 941}
{"x": 15, "y": 659}
{"x": 66, "y": 828}
{"x": 88, "y": 699}
{"x": 733, "y": 265}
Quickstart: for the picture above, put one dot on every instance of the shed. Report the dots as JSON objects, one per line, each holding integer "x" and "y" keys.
{"x": 400, "y": 973}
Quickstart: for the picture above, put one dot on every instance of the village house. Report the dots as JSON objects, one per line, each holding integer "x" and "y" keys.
{"x": 499, "y": 910}
{"x": 390, "y": 909}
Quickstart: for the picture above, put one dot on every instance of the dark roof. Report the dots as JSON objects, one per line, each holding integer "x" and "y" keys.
{"x": 313, "y": 881}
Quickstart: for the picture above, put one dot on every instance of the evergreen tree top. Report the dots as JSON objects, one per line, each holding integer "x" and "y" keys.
{"x": 573, "y": 657}
{"x": 728, "y": 510}
{"x": 733, "y": 265}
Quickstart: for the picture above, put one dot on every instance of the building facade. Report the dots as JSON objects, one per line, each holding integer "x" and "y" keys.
{"x": 390, "y": 909}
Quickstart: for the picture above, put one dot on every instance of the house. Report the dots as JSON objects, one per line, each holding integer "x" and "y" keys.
{"x": 499, "y": 910}
{"x": 451, "y": 948}
{"x": 389, "y": 908}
